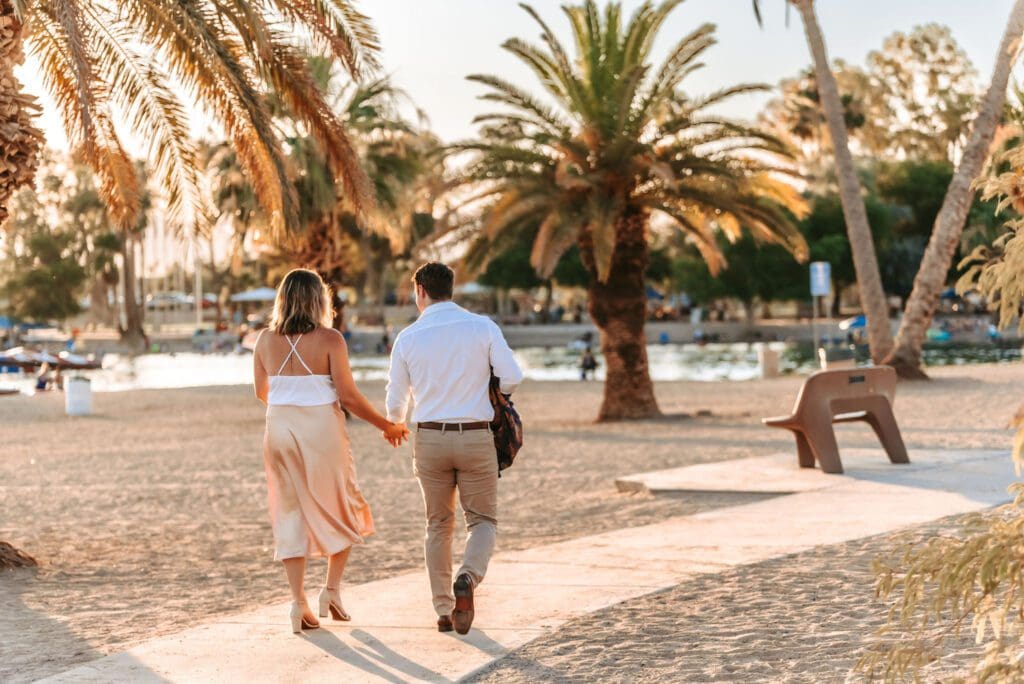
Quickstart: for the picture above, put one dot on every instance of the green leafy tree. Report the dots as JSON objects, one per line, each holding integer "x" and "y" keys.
{"x": 620, "y": 142}
{"x": 826, "y": 236}
{"x": 796, "y": 116}
{"x": 753, "y": 273}
{"x": 914, "y": 190}
{"x": 43, "y": 274}
{"x": 511, "y": 270}
{"x": 925, "y": 95}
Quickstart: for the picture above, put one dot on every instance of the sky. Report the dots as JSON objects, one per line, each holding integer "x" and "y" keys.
{"x": 430, "y": 46}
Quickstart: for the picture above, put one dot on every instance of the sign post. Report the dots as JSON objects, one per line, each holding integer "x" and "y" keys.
{"x": 821, "y": 286}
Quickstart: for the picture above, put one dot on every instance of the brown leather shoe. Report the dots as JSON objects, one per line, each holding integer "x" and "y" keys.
{"x": 462, "y": 616}
{"x": 444, "y": 623}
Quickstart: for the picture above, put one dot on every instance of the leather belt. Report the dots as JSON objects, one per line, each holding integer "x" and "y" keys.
{"x": 460, "y": 427}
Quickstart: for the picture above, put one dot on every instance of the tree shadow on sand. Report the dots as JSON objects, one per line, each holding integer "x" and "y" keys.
{"x": 28, "y": 635}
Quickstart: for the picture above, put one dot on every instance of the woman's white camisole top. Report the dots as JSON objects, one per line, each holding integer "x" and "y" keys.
{"x": 300, "y": 390}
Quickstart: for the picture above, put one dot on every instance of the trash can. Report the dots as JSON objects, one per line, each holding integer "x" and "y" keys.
{"x": 767, "y": 361}
{"x": 78, "y": 396}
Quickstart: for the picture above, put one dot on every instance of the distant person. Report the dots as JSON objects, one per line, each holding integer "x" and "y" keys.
{"x": 339, "y": 323}
{"x": 44, "y": 377}
{"x": 444, "y": 362}
{"x": 577, "y": 313}
{"x": 316, "y": 507}
{"x": 588, "y": 364}
{"x": 384, "y": 346}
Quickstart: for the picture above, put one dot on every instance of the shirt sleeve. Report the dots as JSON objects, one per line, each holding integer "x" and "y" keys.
{"x": 399, "y": 386}
{"x": 503, "y": 361}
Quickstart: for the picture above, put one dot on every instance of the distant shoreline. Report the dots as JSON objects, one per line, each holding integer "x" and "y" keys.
{"x": 562, "y": 334}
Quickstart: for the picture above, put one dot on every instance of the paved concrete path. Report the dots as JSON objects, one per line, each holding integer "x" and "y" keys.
{"x": 530, "y": 593}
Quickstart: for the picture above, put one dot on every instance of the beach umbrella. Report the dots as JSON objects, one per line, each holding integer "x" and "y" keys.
{"x": 654, "y": 294}
{"x": 259, "y": 294}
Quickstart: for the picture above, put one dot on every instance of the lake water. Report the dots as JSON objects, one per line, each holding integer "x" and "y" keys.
{"x": 707, "y": 363}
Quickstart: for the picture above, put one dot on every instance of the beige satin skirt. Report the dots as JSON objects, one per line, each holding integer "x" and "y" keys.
{"x": 316, "y": 508}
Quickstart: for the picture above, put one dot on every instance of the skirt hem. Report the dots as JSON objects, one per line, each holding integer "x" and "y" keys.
{"x": 324, "y": 554}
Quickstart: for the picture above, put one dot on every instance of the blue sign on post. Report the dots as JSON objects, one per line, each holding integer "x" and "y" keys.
{"x": 821, "y": 279}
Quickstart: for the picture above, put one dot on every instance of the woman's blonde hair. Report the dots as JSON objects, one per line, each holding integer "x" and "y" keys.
{"x": 303, "y": 304}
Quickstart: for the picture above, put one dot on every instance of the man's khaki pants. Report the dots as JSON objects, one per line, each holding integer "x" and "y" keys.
{"x": 443, "y": 462}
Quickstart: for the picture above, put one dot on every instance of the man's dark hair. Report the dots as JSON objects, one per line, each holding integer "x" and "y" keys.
{"x": 437, "y": 279}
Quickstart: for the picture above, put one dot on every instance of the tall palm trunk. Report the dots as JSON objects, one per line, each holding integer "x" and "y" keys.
{"x": 132, "y": 333}
{"x": 862, "y": 244}
{"x": 618, "y": 308}
{"x": 949, "y": 223}
{"x": 20, "y": 140}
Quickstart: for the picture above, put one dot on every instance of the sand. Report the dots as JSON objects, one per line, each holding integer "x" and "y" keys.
{"x": 801, "y": 618}
{"x": 150, "y": 516}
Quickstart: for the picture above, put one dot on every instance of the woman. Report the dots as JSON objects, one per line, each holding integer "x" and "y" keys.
{"x": 302, "y": 372}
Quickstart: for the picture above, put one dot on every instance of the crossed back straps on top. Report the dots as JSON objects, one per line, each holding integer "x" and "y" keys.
{"x": 293, "y": 351}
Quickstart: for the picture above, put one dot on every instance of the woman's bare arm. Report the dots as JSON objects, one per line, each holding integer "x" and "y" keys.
{"x": 350, "y": 396}
{"x": 261, "y": 383}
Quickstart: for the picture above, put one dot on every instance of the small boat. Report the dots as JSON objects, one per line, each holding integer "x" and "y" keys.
{"x": 77, "y": 362}
{"x": 27, "y": 359}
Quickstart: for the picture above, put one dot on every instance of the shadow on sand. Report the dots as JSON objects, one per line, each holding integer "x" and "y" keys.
{"x": 27, "y": 634}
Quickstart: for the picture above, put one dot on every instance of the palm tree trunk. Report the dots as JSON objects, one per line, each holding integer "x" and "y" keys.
{"x": 215, "y": 281}
{"x": 618, "y": 308}
{"x": 749, "y": 313}
{"x": 949, "y": 223}
{"x": 20, "y": 140}
{"x": 11, "y": 557}
{"x": 549, "y": 297}
{"x": 132, "y": 332}
{"x": 862, "y": 244}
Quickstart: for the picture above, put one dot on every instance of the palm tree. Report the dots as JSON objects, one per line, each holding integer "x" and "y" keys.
{"x": 952, "y": 216}
{"x": 228, "y": 199}
{"x": 621, "y": 145}
{"x": 136, "y": 56}
{"x": 336, "y": 240}
{"x": 862, "y": 244}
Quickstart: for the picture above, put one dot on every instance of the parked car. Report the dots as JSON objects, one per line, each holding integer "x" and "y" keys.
{"x": 163, "y": 301}
{"x": 209, "y": 300}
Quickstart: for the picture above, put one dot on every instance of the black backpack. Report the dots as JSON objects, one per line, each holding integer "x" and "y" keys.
{"x": 506, "y": 427}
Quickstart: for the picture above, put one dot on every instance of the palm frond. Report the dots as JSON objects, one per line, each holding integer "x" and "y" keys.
{"x": 619, "y": 144}
{"x": 211, "y": 63}
{"x": 348, "y": 33}
{"x": 62, "y": 45}
{"x": 141, "y": 89}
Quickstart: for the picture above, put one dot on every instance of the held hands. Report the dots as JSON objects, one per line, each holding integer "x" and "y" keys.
{"x": 395, "y": 434}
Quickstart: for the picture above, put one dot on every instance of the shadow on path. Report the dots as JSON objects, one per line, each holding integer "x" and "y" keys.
{"x": 332, "y": 645}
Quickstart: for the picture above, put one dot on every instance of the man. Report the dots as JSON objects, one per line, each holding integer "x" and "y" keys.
{"x": 444, "y": 362}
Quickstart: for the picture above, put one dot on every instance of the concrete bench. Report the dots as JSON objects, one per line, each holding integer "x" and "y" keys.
{"x": 842, "y": 396}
